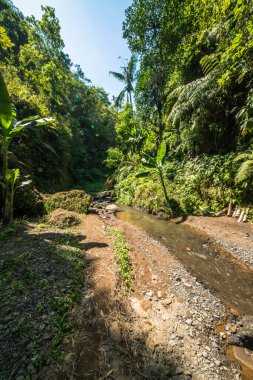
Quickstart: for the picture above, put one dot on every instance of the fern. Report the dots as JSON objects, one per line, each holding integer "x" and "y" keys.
{"x": 209, "y": 63}
{"x": 245, "y": 171}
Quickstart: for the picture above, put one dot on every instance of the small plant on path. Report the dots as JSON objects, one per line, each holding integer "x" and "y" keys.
{"x": 122, "y": 256}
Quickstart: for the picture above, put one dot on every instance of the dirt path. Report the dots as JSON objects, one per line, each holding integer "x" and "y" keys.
{"x": 162, "y": 329}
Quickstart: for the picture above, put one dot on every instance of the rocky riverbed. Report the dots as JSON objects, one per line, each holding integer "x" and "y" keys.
{"x": 169, "y": 325}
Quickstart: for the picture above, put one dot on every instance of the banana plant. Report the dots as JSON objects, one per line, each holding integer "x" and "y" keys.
{"x": 155, "y": 165}
{"x": 10, "y": 186}
{"x": 9, "y": 128}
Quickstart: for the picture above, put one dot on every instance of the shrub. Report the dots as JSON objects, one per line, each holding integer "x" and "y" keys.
{"x": 74, "y": 200}
{"x": 28, "y": 201}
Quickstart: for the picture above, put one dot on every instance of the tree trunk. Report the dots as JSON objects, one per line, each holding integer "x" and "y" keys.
{"x": 163, "y": 185}
{"x": 8, "y": 209}
{"x": 8, "y": 206}
{"x": 222, "y": 212}
{"x": 241, "y": 217}
{"x": 230, "y": 211}
{"x": 130, "y": 99}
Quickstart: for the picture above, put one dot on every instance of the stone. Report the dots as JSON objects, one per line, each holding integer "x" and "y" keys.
{"x": 235, "y": 341}
{"x": 112, "y": 208}
{"x": 187, "y": 284}
{"x": 149, "y": 294}
{"x": 172, "y": 342}
{"x": 223, "y": 335}
{"x": 167, "y": 301}
{"x": 159, "y": 294}
{"x": 188, "y": 322}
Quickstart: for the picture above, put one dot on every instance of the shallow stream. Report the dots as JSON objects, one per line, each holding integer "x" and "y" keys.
{"x": 209, "y": 263}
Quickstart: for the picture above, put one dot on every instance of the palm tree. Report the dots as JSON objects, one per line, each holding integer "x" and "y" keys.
{"x": 127, "y": 77}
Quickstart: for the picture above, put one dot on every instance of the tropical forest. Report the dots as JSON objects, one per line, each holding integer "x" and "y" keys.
{"x": 126, "y": 240}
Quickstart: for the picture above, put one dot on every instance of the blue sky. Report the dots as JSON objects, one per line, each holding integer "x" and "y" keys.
{"x": 92, "y": 32}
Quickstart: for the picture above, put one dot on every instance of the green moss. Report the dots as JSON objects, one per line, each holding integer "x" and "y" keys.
{"x": 74, "y": 200}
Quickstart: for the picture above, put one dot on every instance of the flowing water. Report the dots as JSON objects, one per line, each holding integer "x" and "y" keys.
{"x": 209, "y": 263}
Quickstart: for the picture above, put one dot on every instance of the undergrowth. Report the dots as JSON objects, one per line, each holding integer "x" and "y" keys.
{"x": 41, "y": 278}
{"x": 199, "y": 186}
{"x": 122, "y": 256}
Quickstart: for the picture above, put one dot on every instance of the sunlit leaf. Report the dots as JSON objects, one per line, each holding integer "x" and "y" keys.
{"x": 5, "y": 105}
{"x": 161, "y": 152}
{"x": 143, "y": 174}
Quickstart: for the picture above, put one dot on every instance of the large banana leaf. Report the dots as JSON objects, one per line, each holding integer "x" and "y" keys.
{"x": 21, "y": 125}
{"x": 5, "y": 106}
{"x": 12, "y": 175}
{"x": 161, "y": 153}
{"x": 148, "y": 162}
{"x": 143, "y": 174}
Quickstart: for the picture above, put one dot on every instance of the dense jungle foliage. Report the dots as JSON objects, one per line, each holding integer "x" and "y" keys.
{"x": 42, "y": 80}
{"x": 193, "y": 91}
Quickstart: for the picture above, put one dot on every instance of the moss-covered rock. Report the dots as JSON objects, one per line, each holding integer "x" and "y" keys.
{"x": 74, "y": 200}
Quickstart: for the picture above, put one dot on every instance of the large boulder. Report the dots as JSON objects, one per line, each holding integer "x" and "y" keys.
{"x": 74, "y": 200}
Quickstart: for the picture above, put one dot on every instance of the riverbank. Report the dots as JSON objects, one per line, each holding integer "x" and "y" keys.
{"x": 235, "y": 237}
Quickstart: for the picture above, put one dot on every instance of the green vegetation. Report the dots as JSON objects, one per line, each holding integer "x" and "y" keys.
{"x": 193, "y": 92}
{"x": 41, "y": 278}
{"x": 122, "y": 256}
{"x": 74, "y": 200}
{"x": 42, "y": 80}
{"x": 181, "y": 144}
{"x": 10, "y": 128}
{"x": 155, "y": 165}
{"x": 127, "y": 77}
{"x": 63, "y": 219}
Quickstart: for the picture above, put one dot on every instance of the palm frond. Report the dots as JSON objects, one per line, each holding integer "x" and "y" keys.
{"x": 118, "y": 76}
{"x": 245, "y": 172}
{"x": 132, "y": 66}
{"x": 119, "y": 99}
{"x": 244, "y": 156}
